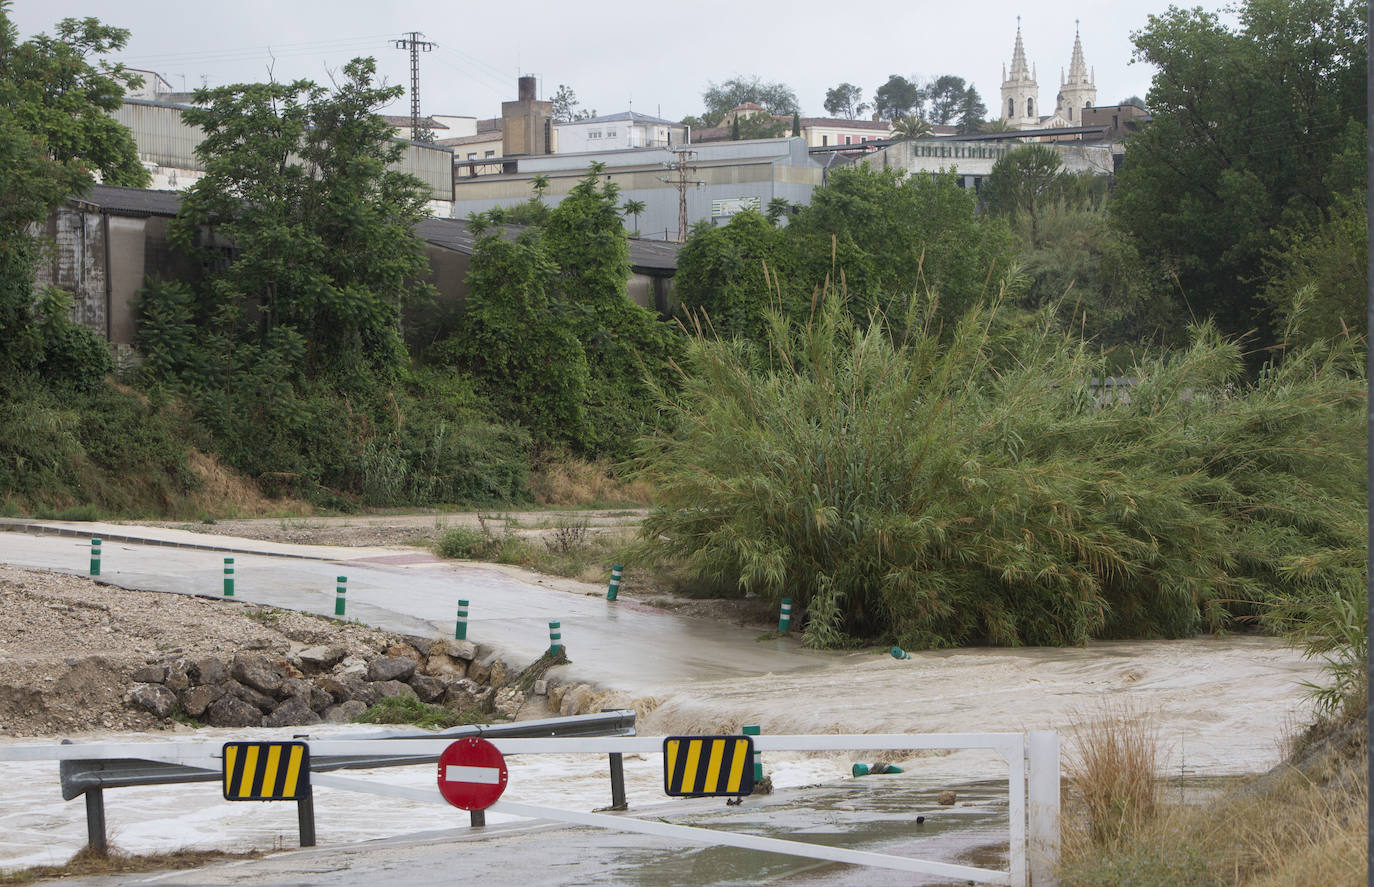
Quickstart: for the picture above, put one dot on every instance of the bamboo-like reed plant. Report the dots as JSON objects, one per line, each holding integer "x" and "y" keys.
{"x": 985, "y": 485}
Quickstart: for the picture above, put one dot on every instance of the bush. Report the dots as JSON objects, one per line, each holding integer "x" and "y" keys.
{"x": 464, "y": 543}
{"x": 409, "y": 710}
{"x": 1111, "y": 768}
{"x": 976, "y": 487}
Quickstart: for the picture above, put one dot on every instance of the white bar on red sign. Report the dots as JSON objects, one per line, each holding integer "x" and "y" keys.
{"x": 483, "y": 775}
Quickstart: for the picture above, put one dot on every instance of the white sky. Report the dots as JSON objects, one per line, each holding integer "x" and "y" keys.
{"x": 658, "y": 56}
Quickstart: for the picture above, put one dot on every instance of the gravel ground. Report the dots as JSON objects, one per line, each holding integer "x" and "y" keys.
{"x": 68, "y": 645}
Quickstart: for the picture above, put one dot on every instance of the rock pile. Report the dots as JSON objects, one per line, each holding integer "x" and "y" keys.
{"x": 313, "y": 684}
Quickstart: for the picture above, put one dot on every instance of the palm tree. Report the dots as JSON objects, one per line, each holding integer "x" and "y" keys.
{"x": 539, "y": 184}
{"x": 909, "y": 126}
{"x": 634, "y": 208}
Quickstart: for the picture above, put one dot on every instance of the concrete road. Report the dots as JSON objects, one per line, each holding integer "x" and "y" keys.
{"x": 640, "y": 649}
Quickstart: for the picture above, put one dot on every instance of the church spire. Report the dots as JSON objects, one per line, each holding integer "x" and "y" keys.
{"x": 1018, "y": 57}
{"x": 1078, "y": 69}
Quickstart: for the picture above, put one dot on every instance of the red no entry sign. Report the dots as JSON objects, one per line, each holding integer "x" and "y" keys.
{"x": 472, "y": 774}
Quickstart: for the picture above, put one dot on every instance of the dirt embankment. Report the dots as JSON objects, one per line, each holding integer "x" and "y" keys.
{"x": 69, "y": 646}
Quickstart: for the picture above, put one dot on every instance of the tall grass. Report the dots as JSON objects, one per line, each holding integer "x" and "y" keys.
{"x": 1112, "y": 765}
{"x": 974, "y": 485}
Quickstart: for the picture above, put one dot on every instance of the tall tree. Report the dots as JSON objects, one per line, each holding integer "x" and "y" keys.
{"x": 566, "y": 108}
{"x": 971, "y": 111}
{"x": 301, "y": 181}
{"x": 845, "y": 100}
{"x": 1253, "y": 129}
{"x": 896, "y": 98}
{"x": 55, "y": 132}
{"x": 945, "y": 95}
{"x": 1022, "y": 180}
{"x": 776, "y": 98}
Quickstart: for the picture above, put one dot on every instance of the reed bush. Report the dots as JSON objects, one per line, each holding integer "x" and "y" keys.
{"x": 980, "y": 485}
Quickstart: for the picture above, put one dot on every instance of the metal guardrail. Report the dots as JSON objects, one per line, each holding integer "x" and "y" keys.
{"x": 90, "y": 777}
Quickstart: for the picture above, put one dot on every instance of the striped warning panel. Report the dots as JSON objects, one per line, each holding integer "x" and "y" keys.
{"x": 266, "y": 771}
{"x": 699, "y": 766}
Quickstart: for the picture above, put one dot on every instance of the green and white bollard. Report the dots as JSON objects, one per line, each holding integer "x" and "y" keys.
{"x": 899, "y": 653}
{"x": 460, "y": 627}
{"x": 614, "y": 588}
{"x": 785, "y": 617}
{"x": 753, "y": 730}
{"x": 877, "y": 769}
{"x": 555, "y": 639}
{"x": 95, "y": 557}
{"x": 228, "y": 577}
{"x": 339, "y": 595}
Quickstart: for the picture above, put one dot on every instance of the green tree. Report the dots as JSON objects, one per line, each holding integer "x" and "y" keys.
{"x": 758, "y": 126}
{"x": 909, "y": 126}
{"x": 634, "y": 208}
{"x": 1250, "y": 129}
{"x": 971, "y": 112}
{"x": 845, "y": 100}
{"x": 946, "y": 95}
{"x": 305, "y": 227}
{"x": 896, "y": 98}
{"x": 720, "y": 99}
{"x": 728, "y": 275}
{"x": 1022, "y": 181}
{"x": 55, "y": 133}
{"x": 1317, "y": 274}
{"x": 889, "y": 235}
{"x": 566, "y": 108}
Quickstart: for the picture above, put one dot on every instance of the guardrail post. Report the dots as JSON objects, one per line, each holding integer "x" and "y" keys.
{"x": 618, "y": 801}
{"x": 1042, "y": 807}
{"x": 753, "y": 730}
{"x": 785, "y": 616}
{"x": 95, "y": 557}
{"x": 460, "y": 626}
{"x": 340, "y": 590}
{"x": 555, "y": 638}
{"x": 305, "y": 815}
{"x": 228, "y": 577}
{"x": 95, "y": 820}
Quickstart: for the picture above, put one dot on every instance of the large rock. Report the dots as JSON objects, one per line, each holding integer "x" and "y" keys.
{"x": 429, "y": 689}
{"x": 295, "y": 710}
{"x": 576, "y": 700}
{"x": 404, "y": 651}
{"x": 261, "y": 701}
{"x": 499, "y": 673}
{"x": 197, "y": 699}
{"x": 177, "y": 678}
{"x": 208, "y": 671}
{"x": 389, "y": 689}
{"x": 462, "y": 694}
{"x": 154, "y": 698}
{"x": 231, "y": 711}
{"x": 347, "y": 687}
{"x": 441, "y": 665}
{"x": 344, "y": 713}
{"x": 391, "y": 668}
{"x": 508, "y": 701}
{"x": 465, "y": 650}
{"x": 351, "y": 666}
{"x": 149, "y": 674}
{"x": 321, "y": 658}
{"x": 253, "y": 671}
{"x": 479, "y": 672}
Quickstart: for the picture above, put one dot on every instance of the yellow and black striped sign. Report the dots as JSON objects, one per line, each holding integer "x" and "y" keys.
{"x": 266, "y": 771}
{"x": 699, "y": 766}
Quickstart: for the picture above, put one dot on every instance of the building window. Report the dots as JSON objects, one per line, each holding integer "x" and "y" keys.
{"x": 1070, "y": 113}
{"x": 1011, "y": 107}
{"x": 593, "y": 133}
{"x": 472, "y": 155}
{"x": 849, "y": 140}
{"x": 825, "y": 140}
{"x": 489, "y": 154}
{"x": 610, "y": 133}
{"x": 1030, "y": 107}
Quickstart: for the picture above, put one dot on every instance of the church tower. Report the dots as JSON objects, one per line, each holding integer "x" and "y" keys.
{"x": 1079, "y": 89}
{"x": 1020, "y": 92}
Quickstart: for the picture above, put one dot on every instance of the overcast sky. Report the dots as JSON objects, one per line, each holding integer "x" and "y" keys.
{"x": 654, "y": 57}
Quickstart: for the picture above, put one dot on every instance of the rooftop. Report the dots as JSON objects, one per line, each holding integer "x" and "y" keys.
{"x": 621, "y": 116}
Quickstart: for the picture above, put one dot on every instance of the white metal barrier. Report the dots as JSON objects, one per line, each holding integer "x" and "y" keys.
{"x": 1032, "y": 761}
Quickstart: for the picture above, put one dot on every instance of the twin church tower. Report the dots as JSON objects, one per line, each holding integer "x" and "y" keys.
{"x": 1021, "y": 93}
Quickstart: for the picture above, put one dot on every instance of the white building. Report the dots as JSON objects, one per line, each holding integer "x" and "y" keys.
{"x": 610, "y": 132}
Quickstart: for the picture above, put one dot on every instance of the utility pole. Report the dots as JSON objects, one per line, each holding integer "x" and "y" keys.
{"x": 413, "y": 43}
{"x": 681, "y": 167}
